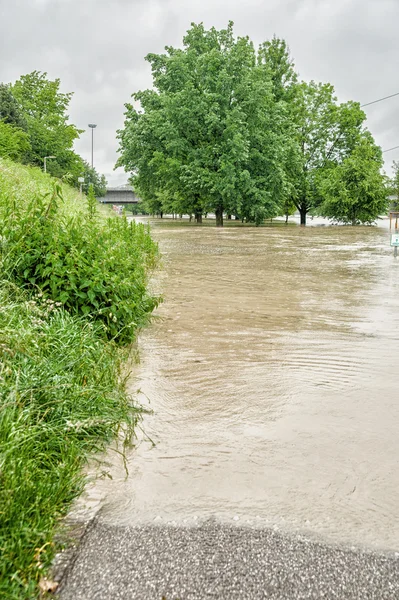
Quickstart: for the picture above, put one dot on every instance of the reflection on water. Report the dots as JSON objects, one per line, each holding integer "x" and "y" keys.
{"x": 272, "y": 371}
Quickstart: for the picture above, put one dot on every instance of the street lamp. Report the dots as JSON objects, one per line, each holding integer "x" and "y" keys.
{"x": 92, "y": 126}
{"x": 81, "y": 180}
{"x": 45, "y": 158}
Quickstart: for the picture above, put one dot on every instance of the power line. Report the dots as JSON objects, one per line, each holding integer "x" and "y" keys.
{"x": 380, "y": 100}
{"x": 389, "y": 149}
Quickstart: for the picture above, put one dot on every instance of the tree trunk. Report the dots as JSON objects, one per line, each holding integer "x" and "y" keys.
{"x": 219, "y": 216}
{"x": 198, "y": 217}
{"x": 302, "y": 212}
{"x": 161, "y": 214}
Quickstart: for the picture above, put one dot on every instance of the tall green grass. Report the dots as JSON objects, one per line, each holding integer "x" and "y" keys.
{"x": 62, "y": 394}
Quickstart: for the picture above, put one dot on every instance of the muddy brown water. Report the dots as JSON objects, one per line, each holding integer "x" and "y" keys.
{"x": 272, "y": 370}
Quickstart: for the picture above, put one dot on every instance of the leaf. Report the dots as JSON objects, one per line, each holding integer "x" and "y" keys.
{"x": 47, "y": 585}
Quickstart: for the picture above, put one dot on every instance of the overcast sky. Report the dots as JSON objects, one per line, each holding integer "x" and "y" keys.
{"x": 97, "y": 49}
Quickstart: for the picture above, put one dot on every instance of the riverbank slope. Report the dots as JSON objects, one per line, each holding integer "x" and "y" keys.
{"x": 72, "y": 295}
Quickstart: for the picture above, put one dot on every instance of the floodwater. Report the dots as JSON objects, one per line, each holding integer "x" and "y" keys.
{"x": 272, "y": 370}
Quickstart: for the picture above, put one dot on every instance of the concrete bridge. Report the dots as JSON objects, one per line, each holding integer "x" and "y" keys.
{"x": 120, "y": 195}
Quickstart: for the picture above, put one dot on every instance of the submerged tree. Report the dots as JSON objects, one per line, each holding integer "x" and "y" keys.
{"x": 327, "y": 133}
{"x": 210, "y": 137}
{"x": 393, "y": 186}
{"x": 229, "y": 130}
{"x": 355, "y": 191}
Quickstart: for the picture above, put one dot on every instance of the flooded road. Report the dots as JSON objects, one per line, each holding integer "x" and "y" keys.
{"x": 272, "y": 370}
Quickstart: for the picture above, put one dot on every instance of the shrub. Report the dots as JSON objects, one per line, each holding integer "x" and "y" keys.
{"x": 94, "y": 267}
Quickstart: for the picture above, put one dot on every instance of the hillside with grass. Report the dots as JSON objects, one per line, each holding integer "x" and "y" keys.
{"x": 73, "y": 294}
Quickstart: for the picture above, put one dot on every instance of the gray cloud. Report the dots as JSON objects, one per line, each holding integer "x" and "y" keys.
{"x": 97, "y": 49}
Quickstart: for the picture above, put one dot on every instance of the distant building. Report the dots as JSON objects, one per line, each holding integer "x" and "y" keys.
{"x": 120, "y": 195}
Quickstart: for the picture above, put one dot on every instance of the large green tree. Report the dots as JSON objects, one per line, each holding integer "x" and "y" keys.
{"x": 355, "y": 191}
{"x": 274, "y": 54}
{"x": 326, "y": 133}
{"x": 44, "y": 109}
{"x": 393, "y": 186}
{"x": 210, "y": 136}
{"x": 92, "y": 178}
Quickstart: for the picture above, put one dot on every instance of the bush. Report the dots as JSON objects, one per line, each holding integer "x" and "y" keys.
{"x": 94, "y": 267}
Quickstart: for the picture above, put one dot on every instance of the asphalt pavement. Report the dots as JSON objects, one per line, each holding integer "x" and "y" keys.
{"x": 224, "y": 562}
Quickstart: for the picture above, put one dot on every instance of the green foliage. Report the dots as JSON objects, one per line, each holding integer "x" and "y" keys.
{"x": 61, "y": 396}
{"x": 211, "y": 136}
{"x": 93, "y": 267}
{"x": 326, "y": 134}
{"x": 393, "y": 186}
{"x": 70, "y": 166}
{"x": 287, "y": 209}
{"x": 62, "y": 393}
{"x": 355, "y": 191}
{"x": 10, "y": 112}
{"x": 44, "y": 109}
{"x": 136, "y": 209}
{"x": 36, "y": 105}
{"x": 22, "y": 183}
{"x": 91, "y": 203}
{"x": 274, "y": 54}
{"x": 226, "y": 130}
{"x": 92, "y": 178}
{"x": 14, "y": 142}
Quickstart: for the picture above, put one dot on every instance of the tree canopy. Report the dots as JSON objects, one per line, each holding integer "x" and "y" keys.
{"x": 231, "y": 130}
{"x": 34, "y": 123}
{"x": 10, "y": 111}
{"x": 355, "y": 192}
{"x": 327, "y": 133}
{"x": 210, "y": 137}
{"x": 394, "y": 185}
{"x": 44, "y": 108}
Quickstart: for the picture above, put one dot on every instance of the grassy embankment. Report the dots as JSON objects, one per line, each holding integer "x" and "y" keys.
{"x": 72, "y": 295}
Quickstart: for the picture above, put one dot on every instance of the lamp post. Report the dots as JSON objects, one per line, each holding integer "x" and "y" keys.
{"x": 81, "y": 180}
{"x": 45, "y": 165}
{"x": 92, "y": 127}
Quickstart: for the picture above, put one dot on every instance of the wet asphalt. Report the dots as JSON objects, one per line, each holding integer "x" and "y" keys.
{"x": 219, "y": 561}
